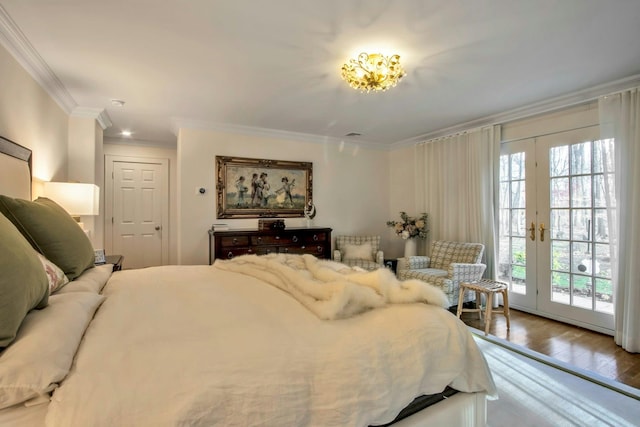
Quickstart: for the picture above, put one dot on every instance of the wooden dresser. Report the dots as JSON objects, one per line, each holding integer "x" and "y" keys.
{"x": 229, "y": 243}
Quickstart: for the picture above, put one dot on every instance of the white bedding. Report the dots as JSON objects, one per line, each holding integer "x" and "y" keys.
{"x": 198, "y": 346}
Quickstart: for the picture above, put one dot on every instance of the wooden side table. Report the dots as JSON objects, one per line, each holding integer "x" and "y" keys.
{"x": 116, "y": 260}
{"x": 489, "y": 288}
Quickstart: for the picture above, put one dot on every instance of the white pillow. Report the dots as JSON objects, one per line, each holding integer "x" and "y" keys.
{"x": 41, "y": 355}
{"x": 363, "y": 252}
{"x": 91, "y": 280}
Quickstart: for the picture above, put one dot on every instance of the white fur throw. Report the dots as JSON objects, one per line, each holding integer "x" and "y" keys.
{"x": 332, "y": 290}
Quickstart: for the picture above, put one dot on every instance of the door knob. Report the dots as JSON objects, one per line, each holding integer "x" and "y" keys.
{"x": 157, "y": 228}
{"x": 532, "y": 230}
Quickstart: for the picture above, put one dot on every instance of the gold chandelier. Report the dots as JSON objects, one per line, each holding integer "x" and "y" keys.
{"x": 373, "y": 72}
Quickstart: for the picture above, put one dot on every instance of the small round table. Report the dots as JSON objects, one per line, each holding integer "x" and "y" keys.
{"x": 487, "y": 287}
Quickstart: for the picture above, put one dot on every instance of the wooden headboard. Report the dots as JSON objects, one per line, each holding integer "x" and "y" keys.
{"x": 15, "y": 169}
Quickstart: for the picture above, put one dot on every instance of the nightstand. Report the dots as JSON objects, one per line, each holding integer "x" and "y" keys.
{"x": 116, "y": 260}
{"x": 391, "y": 264}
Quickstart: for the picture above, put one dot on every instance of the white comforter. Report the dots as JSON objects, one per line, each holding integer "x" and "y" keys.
{"x": 199, "y": 346}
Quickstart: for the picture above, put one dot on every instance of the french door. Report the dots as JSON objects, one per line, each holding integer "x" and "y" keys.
{"x": 554, "y": 243}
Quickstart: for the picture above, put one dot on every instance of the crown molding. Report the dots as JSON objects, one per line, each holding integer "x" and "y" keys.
{"x": 17, "y": 44}
{"x": 178, "y": 123}
{"x": 99, "y": 114}
{"x": 546, "y": 106}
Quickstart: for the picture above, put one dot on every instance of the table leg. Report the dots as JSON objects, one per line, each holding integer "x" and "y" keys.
{"x": 487, "y": 317}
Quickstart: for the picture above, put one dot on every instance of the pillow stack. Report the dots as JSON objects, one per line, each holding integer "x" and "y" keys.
{"x": 23, "y": 282}
{"x": 28, "y": 229}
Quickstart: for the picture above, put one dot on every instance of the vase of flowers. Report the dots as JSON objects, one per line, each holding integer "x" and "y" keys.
{"x": 410, "y": 229}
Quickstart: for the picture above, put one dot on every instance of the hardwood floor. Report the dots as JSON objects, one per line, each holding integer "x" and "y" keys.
{"x": 580, "y": 347}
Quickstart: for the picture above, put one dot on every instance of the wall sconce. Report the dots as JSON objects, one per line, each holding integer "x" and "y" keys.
{"x": 74, "y": 197}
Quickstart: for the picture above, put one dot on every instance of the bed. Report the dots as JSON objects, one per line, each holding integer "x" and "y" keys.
{"x": 274, "y": 340}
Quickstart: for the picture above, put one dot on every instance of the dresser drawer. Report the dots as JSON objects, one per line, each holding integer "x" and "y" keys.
{"x": 277, "y": 239}
{"x": 232, "y": 252}
{"x": 231, "y": 241}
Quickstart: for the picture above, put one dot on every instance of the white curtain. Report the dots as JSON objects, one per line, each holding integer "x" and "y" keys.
{"x": 620, "y": 121}
{"x": 458, "y": 178}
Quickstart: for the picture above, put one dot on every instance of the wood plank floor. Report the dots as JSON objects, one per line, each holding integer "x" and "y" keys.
{"x": 580, "y": 347}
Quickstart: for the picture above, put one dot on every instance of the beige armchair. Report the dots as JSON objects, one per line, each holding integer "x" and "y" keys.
{"x": 449, "y": 264}
{"x": 360, "y": 251}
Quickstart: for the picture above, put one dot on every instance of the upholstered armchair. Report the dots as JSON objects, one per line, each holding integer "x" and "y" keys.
{"x": 360, "y": 251}
{"x": 448, "y": 265}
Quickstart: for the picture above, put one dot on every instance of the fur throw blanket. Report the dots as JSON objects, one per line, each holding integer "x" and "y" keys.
{"x": 332, "y": 290}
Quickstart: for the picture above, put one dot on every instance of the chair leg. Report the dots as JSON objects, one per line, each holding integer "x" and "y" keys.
{"x": 479, "y": 304}
{"x": 487, "y": 317}
{"x": 505, "y": 301}
{"x": 460, "y": 299}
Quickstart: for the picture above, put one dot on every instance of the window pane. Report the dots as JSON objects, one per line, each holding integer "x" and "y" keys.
{"x": 504, "y": 195}
{"x": 581, "y": 191}
{"x": 581, "y": 158}
{"x": 517, "y": 194}
{"x": 559, "y": 161}
{"x": 517, "y": 166}
{"x": 581, "y": 224}
{"x": 599, "y": 192}
{"x": 560, "y": 287}
{"x": 581, "y": 259}
{"x": 560, "y": 223}
{"x": 518, "y": 222}
{"x": 560, "y": 193}
{"x": 601, "y": 225}
{"x": 604, "y": 296}
{"x": 603, "y": 261}
{"x": 560, "y": 259}
{"x": 582, "y": 291}
{"x": 518, "y": 251}
{"x": 504, "y": 168}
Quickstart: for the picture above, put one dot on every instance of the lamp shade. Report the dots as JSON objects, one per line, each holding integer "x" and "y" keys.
{"x": 74, "y": 197}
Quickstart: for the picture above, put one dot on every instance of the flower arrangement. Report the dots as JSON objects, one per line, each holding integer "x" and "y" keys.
{"x": 410, "y": 227}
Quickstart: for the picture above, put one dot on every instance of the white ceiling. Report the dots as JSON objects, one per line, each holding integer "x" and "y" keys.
{"x": 256, "y": 65}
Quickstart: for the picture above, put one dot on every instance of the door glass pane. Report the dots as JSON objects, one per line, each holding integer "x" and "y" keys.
{"x": 559, "y": 226}
{"x": 559, "y": 193}
{"x": 580, "y": 252}
{"x": 581, "y": 191}
{"x": 581, "y": 224}
{"x": 581, "y": 158}
{"x": 513, "y": 228}
{"x": 559, "y": 161}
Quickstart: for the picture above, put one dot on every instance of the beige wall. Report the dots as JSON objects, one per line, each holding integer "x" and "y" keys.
{"x": 350, "y": 189}
{"x": 30, "y": 117}
{"x": 118, "y": 148}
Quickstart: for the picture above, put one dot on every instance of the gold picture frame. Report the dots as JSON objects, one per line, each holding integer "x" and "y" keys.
{"x": 262, "y": 188}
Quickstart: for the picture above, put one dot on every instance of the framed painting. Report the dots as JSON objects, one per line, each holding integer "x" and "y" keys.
{"x": 261, "y": 188}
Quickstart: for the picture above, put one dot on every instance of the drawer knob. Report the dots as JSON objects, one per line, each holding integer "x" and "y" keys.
{"x": 230, "y": 255}
{"x": 235, "y": 241}
{"x": 277, "y": 237}
{"x": 259, "y": 239}
{"x": 315, "y": 237}
{"x": 294, "y": 239}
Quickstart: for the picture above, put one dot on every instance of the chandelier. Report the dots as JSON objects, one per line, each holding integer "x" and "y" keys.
{"x": 373, "y": 72}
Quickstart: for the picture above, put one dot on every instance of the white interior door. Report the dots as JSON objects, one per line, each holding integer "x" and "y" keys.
{"x": 137, "y": 212}
{"x": 553, "y": 247}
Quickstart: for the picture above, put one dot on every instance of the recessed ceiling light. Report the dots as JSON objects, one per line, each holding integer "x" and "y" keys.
{"x": 125, "y": 133}
{"x": 117, "y": 102}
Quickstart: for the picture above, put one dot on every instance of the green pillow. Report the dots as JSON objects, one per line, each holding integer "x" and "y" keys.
{"x": 23, "y": 282}
{"x": 52, "y": 232}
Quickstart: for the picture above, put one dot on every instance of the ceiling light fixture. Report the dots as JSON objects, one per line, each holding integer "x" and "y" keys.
{"x": 125, "y": 133}
{"x": 373, "y": 72}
